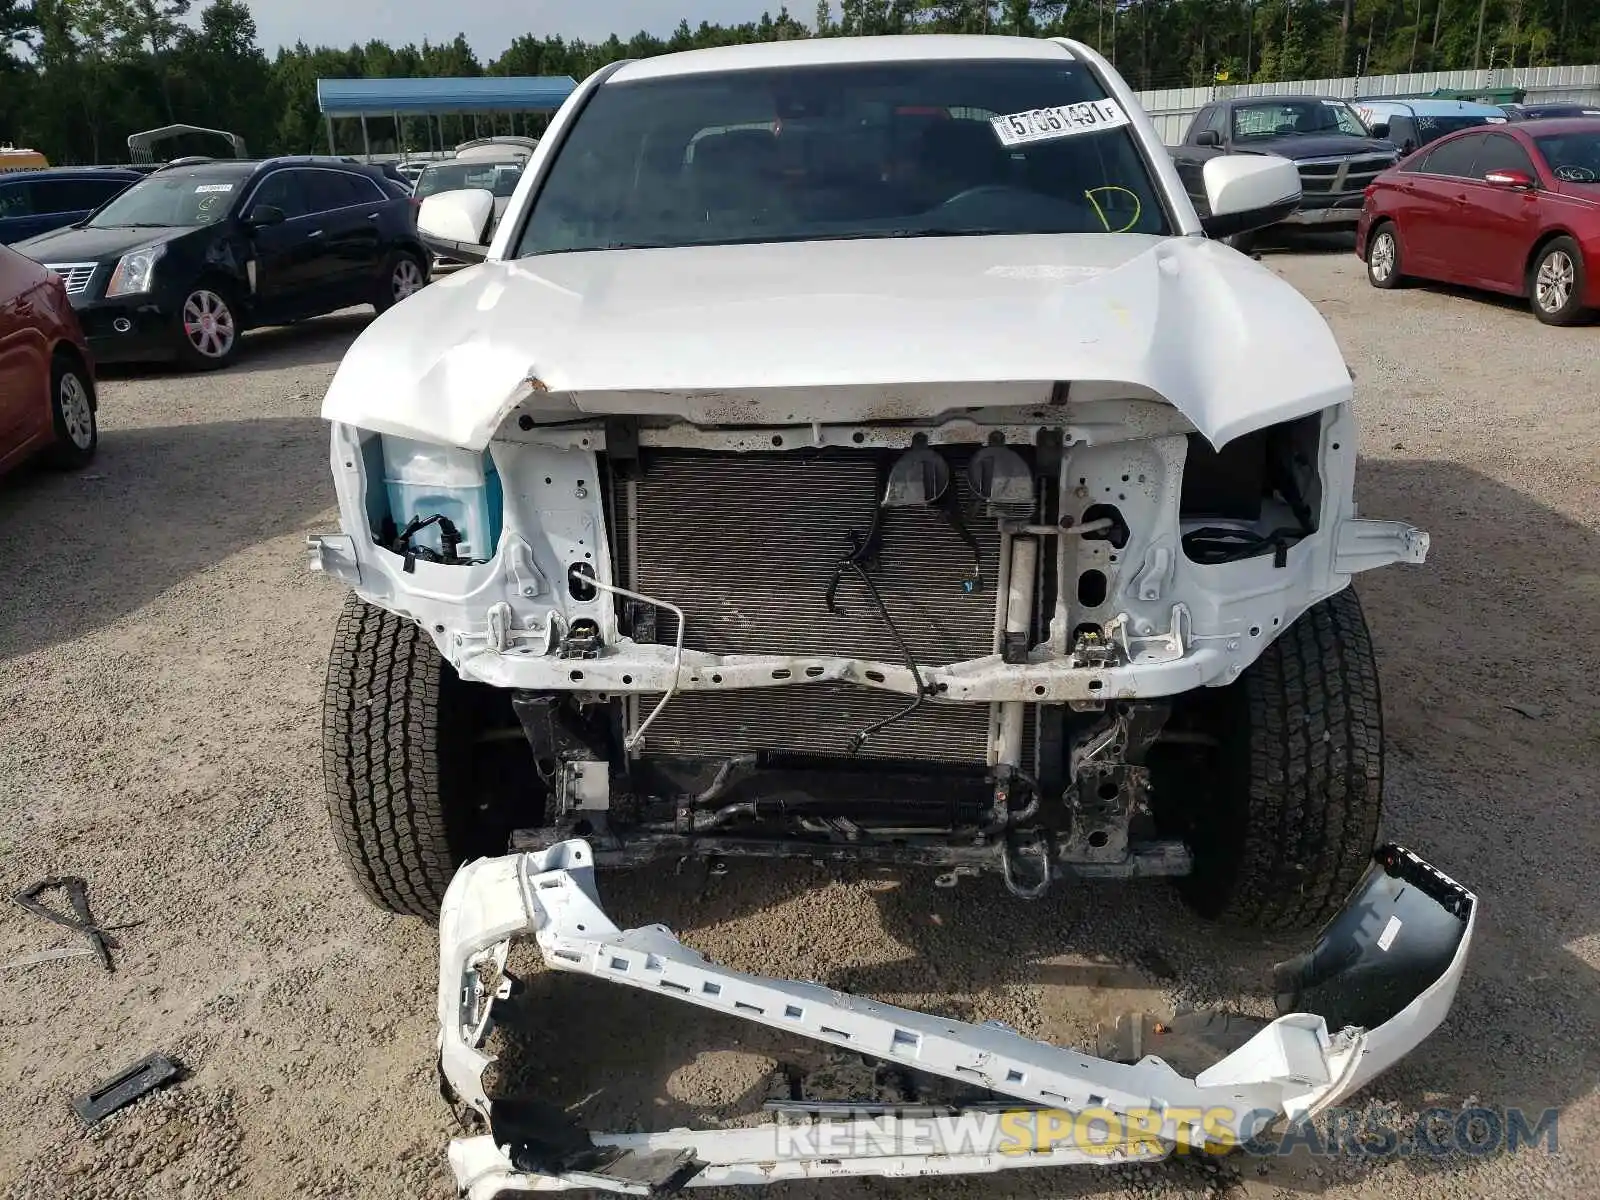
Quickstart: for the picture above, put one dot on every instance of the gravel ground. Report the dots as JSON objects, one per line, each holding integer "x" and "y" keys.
{"x": 161, "y": 655}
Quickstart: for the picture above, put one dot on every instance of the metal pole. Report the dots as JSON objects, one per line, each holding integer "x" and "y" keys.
{"x": 399, "y": 148}
{"x": 366, "y": 142}
{"x": 331, "y": 150}
{"x": 1249, "y": 38}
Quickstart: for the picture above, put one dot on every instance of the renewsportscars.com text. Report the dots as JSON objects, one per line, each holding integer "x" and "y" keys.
{"x": 1435, "y": 1132}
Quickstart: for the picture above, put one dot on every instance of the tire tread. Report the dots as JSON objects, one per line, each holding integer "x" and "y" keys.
{"x": 382, "y": 709}
{"x": 1313, "y": 770}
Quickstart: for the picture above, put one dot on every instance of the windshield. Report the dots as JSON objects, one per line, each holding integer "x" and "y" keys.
{"x": 497, "y": 177}
{"x": 1573, "y": 157}
{"x": 1278, "y": 118}
{"x": 186, "y": 199}
{"x": 858, "y": 151}
{"x": 1561, "y": 110}
{"x": 1430, "y": 128}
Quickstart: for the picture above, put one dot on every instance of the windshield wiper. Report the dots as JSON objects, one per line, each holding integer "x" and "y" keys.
{"x": 786, "y": 239}
{"x": 953, "y": 231}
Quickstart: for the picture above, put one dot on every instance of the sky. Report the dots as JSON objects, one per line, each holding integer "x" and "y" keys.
{"x": 490, "y": 25}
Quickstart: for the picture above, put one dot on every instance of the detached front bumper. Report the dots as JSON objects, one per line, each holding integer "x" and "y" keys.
{"x": 1380, "y": 978}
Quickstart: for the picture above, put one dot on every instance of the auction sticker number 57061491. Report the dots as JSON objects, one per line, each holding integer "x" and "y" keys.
{"x": 1062, "y": 120}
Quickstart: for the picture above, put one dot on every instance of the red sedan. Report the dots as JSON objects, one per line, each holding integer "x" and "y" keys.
{"x": 47, "y": 396}
{"x": 1508, "y": 208}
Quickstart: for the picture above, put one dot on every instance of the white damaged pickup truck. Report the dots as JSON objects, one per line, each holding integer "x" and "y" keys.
{"x": 861, "y": 451}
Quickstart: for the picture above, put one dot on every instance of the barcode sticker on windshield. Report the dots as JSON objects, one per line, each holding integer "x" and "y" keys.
{"x": 1386, "y": 938}
{"x": 1064, "y": 120}
{"x": 203, "y": 188}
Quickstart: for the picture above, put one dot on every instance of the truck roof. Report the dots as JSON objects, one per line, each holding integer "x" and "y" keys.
{"x": 1305, "y": 98}
{"x": 75, "y": 172}
{"x": 840, "y": 51}
{"x": 1430, "y": 108}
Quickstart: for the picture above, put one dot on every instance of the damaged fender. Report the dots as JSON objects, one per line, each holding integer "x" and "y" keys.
{"x": 1379, "y": 979}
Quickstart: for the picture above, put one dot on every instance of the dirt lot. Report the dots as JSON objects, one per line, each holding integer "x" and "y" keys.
{"x": 161, "y": 656}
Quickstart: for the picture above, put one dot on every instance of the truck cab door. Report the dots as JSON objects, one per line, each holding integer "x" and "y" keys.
{"x": 1207, "y": 139}
{"x": 1403, "y": 133}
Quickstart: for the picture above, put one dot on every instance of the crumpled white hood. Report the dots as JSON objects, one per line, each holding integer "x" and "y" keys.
{"x": 727, "y": 334}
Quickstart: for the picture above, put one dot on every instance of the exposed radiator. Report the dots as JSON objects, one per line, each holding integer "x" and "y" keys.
{"x": 746, "y": 545}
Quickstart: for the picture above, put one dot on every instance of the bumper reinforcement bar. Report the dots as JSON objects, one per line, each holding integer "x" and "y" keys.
{"x": 1379, "y": 979}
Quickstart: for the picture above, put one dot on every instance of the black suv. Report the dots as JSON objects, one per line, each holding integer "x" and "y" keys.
{"x": 183, "y": 262}
{"x": 1336, "y": 155}
{"x": 1544, "y": 112}
{"x": 35, "y": 202}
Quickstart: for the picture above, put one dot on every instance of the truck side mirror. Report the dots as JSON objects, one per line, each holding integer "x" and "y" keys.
{"x": 1208, "y": 137}
{"x": 1248, "y": 191}
{"x": 455, "y": 224}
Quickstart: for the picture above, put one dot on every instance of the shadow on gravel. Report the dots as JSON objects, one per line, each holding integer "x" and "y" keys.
{"x": 312, "y": 343}
{"x": 157, "y": 506}
{"x": 1494, "y": 300}
{"x": 1299, "y": 241}
{"x": 1497, "y": 799}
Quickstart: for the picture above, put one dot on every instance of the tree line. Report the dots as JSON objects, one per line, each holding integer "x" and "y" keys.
{"x": 78, "y": 76}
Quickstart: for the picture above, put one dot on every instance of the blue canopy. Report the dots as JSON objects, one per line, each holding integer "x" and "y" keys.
{"x": 495, "y": 93}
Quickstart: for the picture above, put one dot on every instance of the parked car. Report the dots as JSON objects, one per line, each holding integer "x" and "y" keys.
{"x": 183, "y": 262}
{"x": 1336, "y": 155}
{"x": 1411, "y": 124}
{"x": 35, "y": 202}
{"x": 1540, "y": 112}
{"x": 1513, "y": 210}
{"x": 13, "y": 158}
{"x": 476, "y": 191}
{"x": 500, "y": 145}
{"x": 47, "y": 394}
{"x": 411, "y": 168}
{"x": 394, "y": 179}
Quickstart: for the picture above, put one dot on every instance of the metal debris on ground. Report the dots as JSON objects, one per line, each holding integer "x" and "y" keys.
{"x": 44, "y": 956}
{"x": 121, "y": 1090}
{"x": 101, "y": 942}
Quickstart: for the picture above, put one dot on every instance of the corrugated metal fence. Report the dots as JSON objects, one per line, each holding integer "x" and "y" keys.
{"x": 1172, "y": 108}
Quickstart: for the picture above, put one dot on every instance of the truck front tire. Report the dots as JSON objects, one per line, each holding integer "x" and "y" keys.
{"x": 402, "y": 761}
{"x": 1291, "y": 815}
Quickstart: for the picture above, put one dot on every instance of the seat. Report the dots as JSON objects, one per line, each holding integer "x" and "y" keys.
{"x": 959, "y": 155}
{"x": 735, "y": 172}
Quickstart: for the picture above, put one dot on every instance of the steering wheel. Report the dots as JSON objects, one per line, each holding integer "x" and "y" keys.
{"x": 982, "y": 189}
{"x": 1576, "y": 174}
